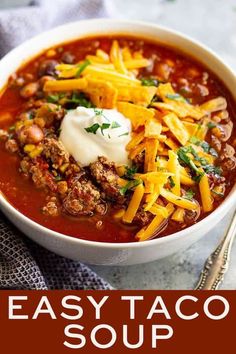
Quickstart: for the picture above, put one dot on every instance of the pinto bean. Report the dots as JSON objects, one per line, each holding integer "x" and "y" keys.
{"x": 215, "y": 143}
{"x": 29, "y": 90}
{"x": 30, "y": 135}
{"x": 228, "y": 152}
{"x": 44, "y": 79}
{"x": 229, "y": 164}
{"x": 68, "y": 58}
{"x": 48, "y": 112}
{"x": 47, "y": 67}
{"x": 62, "y": 187}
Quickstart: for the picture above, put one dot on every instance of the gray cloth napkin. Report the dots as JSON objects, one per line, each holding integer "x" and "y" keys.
{"x": 24, "y": 264}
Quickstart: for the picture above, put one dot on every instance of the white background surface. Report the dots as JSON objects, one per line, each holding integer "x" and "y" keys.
{"x": 214, "y": 23}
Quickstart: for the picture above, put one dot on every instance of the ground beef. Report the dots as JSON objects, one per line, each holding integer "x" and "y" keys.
{"x": 62, "y": 187}
{"x": 55, "y": 151}
{"x": 104, "y": 172}
{"x": 83, "y": 198}
{"x": 42, "y": 177}
{"x": 142, "y": 218}
{"x": 52, "y": 207}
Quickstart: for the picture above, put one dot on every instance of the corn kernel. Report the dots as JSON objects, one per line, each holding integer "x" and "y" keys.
{"x": 64, "y": 167}
{"x": 29, "y": 147}
{"x": 51, "y": 53}
{"x": 121, "y": 170}
{"x": 36, "y": 152}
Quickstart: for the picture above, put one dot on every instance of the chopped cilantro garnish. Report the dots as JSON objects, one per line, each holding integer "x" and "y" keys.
{"x": 176, "y": 97}
{"x": 81, "y": 67}
{"x": 53, "y": 98}
{"x": 79, "y": 99}
{"x": 189, "y": 194}
{"x": 93, "y": 128}
{"x": 31, "y": 115}
{"x": 149, "y": 82}
{"x": 127, "y": 133}
{"x": 98, "y": 111}
{"x": 12, "y": 128}
{"x": 219, "y": 194}
{"x": 131, "y": 184}
{"x": 205, "y": 146}
{"x": 130, "y": 172}
{"x": 187, "y": 161}
{"x": 172, "y": 183}
{"x": 211, "y": 125}
{"x": 104, "y": 126}
{"x": 115, "y": 125}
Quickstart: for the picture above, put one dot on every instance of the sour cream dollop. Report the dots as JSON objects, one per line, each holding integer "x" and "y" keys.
{"x": 87, "y": 133}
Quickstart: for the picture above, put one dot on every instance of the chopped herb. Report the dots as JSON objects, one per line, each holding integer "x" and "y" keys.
{"x": 130, "y": 172}
{"x": 217, "y": 193}
{"x": 31, "y": 115}
{"x": 176, "y": 97}
{"x": 115, "y": 125}
{"x": 210, "y": 169}
{"x": 81, "y": 67}
{"x": 172, "y": 183}
{"x": 104, "y": 126}
{"x": 98, "y": 112}
{"x": 130, "y": 185}
{"x": 189, "y": 194}
{"x": 58, "y": 178}
{"x": 53, "y": 98}
{"x": 155, "y": 98}
{"x": 93, "y": 128}
{"x": 127, "y": 133}
{"x": 211, "y": 125}
{"x": 79, "y": 100}
{"x": 205, "y": 146}
{"x": 150, "y": 82}
{"x": 186, "y": 160}
{"x": 12, "y": 128}
{"x": 59, "y": 131}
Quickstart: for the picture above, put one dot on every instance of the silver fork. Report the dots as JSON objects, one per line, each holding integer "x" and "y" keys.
{"x": 217, "y": 263}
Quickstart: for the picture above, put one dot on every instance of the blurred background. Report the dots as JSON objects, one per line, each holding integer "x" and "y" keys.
{"x": 213, "y": 22}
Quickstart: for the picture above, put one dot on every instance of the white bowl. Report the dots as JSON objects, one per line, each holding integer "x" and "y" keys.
{"x": 108, "y": 253}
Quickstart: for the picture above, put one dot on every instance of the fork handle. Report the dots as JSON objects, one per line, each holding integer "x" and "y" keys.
{"x": 217, "y": 263}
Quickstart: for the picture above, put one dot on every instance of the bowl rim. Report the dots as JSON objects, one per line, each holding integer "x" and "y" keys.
{"x": 215, "y": 215}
